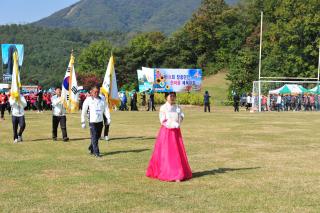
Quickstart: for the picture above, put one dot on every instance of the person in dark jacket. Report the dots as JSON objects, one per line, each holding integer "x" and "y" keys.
{"x": 151, "y": 101}
{"x": 206, "y": 101}
{"x": 236, "y": 101}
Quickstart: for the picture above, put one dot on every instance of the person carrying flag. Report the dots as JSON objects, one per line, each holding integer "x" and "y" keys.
{"x": 17, "y": 102}
{"x": 18, "y": 119}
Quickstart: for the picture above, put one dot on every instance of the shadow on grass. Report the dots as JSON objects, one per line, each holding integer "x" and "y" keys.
{"x": 219, "y": 171}
{"x": 88, "y": 138}
{"x": 79, "y": 139}
{"x": 128, "y": 138}
{"x": 41, "y": 139}
{"x": 124, "y": 151}
{"x": 59, "y": 139}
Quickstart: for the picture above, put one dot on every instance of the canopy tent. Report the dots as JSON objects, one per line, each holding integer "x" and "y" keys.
{"x": 289, "y": 89}
{"x": 315, "y": 90}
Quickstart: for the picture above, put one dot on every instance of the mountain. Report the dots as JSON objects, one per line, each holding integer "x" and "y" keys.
{"x": 123, "y": 15}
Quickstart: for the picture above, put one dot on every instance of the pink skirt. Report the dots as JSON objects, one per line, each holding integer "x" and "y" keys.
{"x": 169, "y": 160}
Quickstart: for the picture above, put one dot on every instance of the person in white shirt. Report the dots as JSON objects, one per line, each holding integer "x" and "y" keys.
{"x": 18, "y": 119}
{"x": 58, "y": 116}
{"x": 279, "y": 100}
{"x": 249, "y": 102}
{"x": 97, "y": 108}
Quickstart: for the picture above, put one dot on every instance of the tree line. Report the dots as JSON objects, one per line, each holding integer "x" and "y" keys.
{"x": 218, "y": 36}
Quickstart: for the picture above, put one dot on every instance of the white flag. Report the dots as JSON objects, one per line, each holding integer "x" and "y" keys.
{"x": 109, "y": 87}
{"x": 15, "y": 83}
{"x": 69, "y": 92}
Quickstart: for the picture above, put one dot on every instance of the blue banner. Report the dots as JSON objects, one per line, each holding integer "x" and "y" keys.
{"x": 177, "y": 80}
{"x": 7, "y": 51}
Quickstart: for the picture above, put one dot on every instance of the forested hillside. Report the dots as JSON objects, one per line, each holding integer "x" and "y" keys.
{"x": 47, "y": 51}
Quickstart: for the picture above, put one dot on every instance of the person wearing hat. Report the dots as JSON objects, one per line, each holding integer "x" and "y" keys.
{"x": 97, "y": 107}
{"x": 58, "y": 116}
{"x": 169, "y": 160}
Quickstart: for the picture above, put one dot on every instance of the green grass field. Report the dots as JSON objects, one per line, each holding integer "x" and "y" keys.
{"x": 241, "y": 162}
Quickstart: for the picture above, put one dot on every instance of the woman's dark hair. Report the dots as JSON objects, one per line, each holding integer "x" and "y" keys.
{"x": 166, "y": 94}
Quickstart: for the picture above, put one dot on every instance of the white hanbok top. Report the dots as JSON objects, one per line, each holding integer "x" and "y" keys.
{"x": 171, "y": 116}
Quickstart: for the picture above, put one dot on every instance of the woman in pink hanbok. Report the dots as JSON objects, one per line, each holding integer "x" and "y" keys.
{"x": 169, "y": 160}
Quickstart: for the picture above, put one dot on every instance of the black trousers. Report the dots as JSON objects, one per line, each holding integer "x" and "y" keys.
{"x": 2, "y": 109}
{"x": 63, "y": 124}
{"x": 206, "y": 105}
{"x": 236, "y": 107}
{"x": 106, "y": 126}
{"x": 22, "y": 124}
{"x": 39, "y": 105}
{"x": 95, "y": 132}
{"x": 151, "y": 105}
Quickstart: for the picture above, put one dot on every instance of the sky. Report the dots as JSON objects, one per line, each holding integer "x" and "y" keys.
{"x": 27, "y": 11}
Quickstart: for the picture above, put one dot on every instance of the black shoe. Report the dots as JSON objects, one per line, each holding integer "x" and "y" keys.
{"x": 97, "y": 155}
{"x": 65, "y": 139}
{"x": 54, "y": 139}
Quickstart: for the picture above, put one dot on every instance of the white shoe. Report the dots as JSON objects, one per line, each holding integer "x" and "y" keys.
{"x": 15, "y": 140}
{"x": 106, "y": 138}
{"x": 20, "y": 139}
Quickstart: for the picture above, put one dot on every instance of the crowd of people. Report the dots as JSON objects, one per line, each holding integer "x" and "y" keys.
{"x": 169, "y": 160}
{"x": 134, "y": 100}
{"x": 306, "y": 102}
{"x": 279, "y": 102}
{"x": 40, "y": 100}
{"x": 36, "y": 101}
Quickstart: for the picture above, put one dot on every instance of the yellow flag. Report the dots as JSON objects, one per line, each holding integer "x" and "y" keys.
{"x": 15, "y": 84}
{"x": 109, "y": 87}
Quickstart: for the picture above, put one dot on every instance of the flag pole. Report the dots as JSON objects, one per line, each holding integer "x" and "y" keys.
{"x": 260, "y": 55}
{"x": 318, "y": 80}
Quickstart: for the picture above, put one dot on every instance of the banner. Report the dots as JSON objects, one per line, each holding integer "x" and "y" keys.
{"x": 70, "y": 94}
{"x": 8, "y": 50}
{"x": 109, "y": 87}
{"x": 177, "y": 80}
{"x": 145, "y": 79}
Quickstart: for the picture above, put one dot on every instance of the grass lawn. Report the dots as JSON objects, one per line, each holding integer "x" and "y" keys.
{"x": 241, "y": 162}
